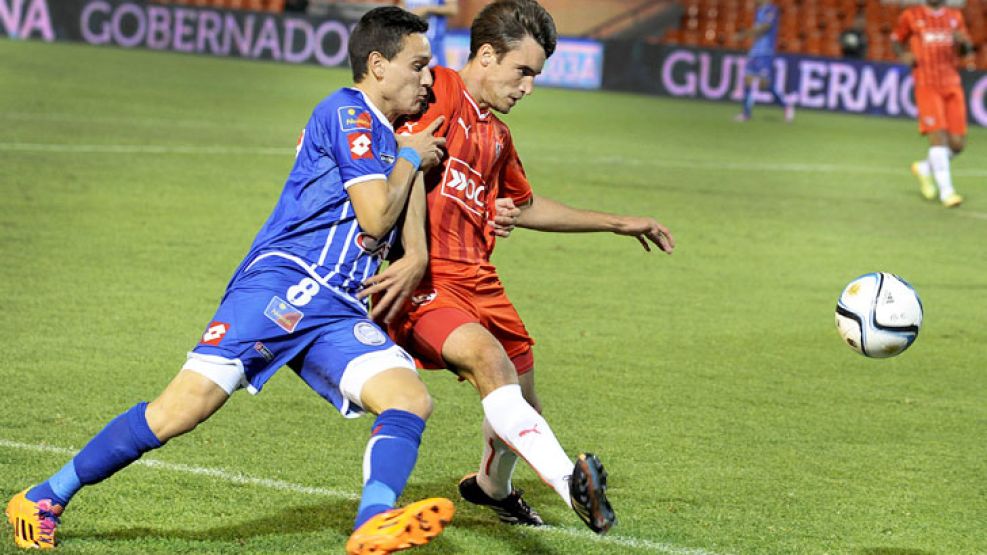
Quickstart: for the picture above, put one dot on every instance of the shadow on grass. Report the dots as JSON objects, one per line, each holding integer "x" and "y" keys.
{"x": 336, "y": 516}
{"x": 331, "y": 515}
{"x": 893, "y": 551}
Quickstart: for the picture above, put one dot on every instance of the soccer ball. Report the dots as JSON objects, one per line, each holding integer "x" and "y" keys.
{"x": 879, "y": 315}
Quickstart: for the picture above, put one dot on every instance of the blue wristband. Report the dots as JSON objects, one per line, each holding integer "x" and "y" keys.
{"x": 411, "y": 155}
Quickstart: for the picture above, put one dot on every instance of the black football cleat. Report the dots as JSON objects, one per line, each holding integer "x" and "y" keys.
{"x": 588, "y": 489}
{"x": 511, "y": 509}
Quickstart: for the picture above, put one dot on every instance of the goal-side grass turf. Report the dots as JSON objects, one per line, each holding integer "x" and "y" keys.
{"x": 712, "y": 383}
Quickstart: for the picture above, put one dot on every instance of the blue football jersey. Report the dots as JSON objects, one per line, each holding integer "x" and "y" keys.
{"x": 765, "y": 44}
{"x": 346, "y": 141}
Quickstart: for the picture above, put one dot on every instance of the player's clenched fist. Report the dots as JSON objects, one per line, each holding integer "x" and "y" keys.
{"x": 426, "y": 144}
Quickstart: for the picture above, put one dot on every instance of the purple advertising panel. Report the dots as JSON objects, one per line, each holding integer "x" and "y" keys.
{"x": 137, "y": 24}
{"x": 821, "y": 83}
{"x": 577, "y": 63}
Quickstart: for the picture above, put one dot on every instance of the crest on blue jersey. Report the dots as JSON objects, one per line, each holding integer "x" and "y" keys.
{"x": 352, "y": 118}
{"x": 283, "y": 314}
{"x": 368, "y": 334}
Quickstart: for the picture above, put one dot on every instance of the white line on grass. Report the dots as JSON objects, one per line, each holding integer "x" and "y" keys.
{"x": 977, "y": 215}
{"x": 219, "y": 474}
{"x": 697, "y": 165}
{"x": 57, "y": 148}
{"x": 719, "y": 165}
{"x": 280, "y": 485}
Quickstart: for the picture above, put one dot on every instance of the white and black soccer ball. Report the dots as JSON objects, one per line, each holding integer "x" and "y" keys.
{"x": 879, "y": 315}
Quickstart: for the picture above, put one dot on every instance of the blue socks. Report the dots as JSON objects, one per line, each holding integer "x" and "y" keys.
{"x": 749, "y": 100}
{"x": 124, "y": 440}
{"x": 390, "y": 456}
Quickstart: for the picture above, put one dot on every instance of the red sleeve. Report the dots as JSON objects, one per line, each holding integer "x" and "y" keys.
{"x": 903, "y": 30}
{"x": 514, "y": 183}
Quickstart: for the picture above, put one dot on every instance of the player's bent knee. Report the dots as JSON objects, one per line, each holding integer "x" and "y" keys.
{"x": 379, "y": 380}
{"x": 192, "y": 397}
{"x": 396, "y": 388}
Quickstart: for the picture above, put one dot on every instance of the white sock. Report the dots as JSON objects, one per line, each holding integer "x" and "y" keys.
{"x": 939, "y": 163}
{"x": 526, "y": 432}
{"x": 496, "y": 466}
{"x": 923, "y": 168}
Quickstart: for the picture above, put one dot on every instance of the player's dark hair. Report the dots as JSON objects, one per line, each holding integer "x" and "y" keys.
{"x": 381, "y": 30}
{"x": 504, "y": 23}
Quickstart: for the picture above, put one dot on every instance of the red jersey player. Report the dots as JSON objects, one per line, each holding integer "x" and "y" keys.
{"x": 459, "y": 317}
{"x": 932, "y": 34}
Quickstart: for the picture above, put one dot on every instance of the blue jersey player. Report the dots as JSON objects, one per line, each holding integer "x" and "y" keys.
{"x": 292, "y": 301}
{"x": 760, "y": 58}
{"x": 437, "y": 12}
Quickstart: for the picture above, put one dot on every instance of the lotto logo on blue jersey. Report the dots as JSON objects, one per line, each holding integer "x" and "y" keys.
{"x": 360, "y": 146}
{"x": 283, "y": 314}
{"x": 352, "y": 118}
{"x": 215, "y": 333}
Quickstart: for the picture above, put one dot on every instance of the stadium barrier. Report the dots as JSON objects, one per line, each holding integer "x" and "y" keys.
{"x": 138, "y": 24}
{"x": 859, "y": 87}
{"x": 821, "y": 83}
{"x": 242, "y": 34}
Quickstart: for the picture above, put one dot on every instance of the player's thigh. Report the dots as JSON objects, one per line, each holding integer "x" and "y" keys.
{"x": 931, "y": 110}
{"x": 497, "y": 314}
{"x": 432, "y": 327}
{"x": 349, "y": 353}
{"x": 476, "y": 355}
{"x": 757, "y": 68}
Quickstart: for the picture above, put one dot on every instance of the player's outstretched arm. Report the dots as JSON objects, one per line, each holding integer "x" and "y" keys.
{"x": 544, "y": 214}
{"x": 379, "y": 203}
{"x": 392, "y": 286}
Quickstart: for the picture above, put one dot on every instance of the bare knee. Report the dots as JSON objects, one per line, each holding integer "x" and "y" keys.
{"x": 957, "y": 143}
{"x": 420, "y": 404}
{"x": 397, "y": 389}
{"x": 477, "y": 356}
{"x": 187, "y": 401}
{"x": 169, "y": 417}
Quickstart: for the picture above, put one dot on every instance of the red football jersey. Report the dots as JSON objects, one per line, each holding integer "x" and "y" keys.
{"x": 480, "y": 166}
{"x": 929, "y": 34}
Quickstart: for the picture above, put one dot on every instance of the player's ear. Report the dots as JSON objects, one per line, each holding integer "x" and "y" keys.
{"x": 375, "y": 64}
{"x": 486, "y": 54}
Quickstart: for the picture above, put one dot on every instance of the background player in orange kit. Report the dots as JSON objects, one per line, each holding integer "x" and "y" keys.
{"x": 933, "y": 34}
{"x": 459, "y": 316}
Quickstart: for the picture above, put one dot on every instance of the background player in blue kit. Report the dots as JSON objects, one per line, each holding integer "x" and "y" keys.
{"x": 760, "y": 58}
{"x": 437, "y": 12}
{"x": 292, "y": 301}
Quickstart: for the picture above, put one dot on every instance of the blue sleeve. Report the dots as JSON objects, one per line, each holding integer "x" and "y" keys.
{"x": 349, "y": 138}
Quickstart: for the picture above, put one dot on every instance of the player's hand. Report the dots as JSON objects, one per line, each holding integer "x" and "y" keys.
{"x": 908, "y": 59}
{"x": 505, "y": 217}
{"x": 426, "y": 144}
{"x": 392, "y": 287}
{"x": 647, "y": 231}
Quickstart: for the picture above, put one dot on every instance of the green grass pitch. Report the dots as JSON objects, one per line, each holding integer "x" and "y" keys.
{"x": 712, "y": 382}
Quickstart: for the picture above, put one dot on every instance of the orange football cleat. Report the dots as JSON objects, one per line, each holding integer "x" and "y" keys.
{"x": 399, "y": 529}
{"x": 34, "y": 523}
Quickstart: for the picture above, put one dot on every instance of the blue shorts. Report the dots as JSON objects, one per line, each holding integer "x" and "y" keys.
{"x": 759, "y": 66}
{"x": 275, "y": 314}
